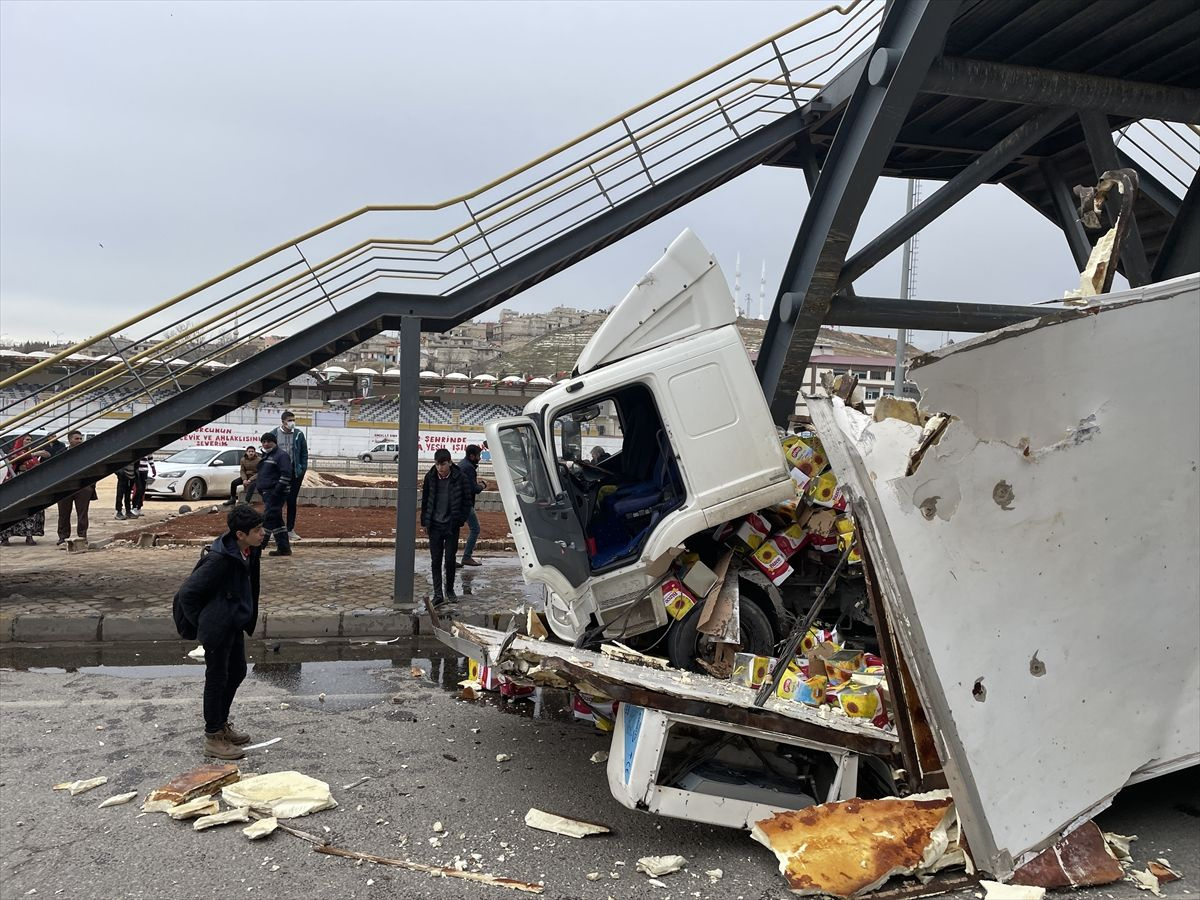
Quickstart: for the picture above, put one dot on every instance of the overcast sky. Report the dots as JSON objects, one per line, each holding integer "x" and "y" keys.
{"x": 145, "y": 147}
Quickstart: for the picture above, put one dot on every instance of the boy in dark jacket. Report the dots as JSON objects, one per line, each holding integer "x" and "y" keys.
{"x": 446, "y": 497}
{"x": 469, "y": 465}
{"x": 220, "y": 601}
{"x": 274, "y": 482}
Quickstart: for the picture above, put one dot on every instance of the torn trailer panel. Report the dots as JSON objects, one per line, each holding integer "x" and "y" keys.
{"x": 1046, "y": 539}
{"x": 683, "y": 742}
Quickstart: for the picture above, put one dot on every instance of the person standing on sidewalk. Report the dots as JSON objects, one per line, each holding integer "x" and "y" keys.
{"x": 291, "y": 441}
{"x": 249, "y": 469}
{"x": 145, "y": 471}
{"x": 274, "y": 481}
{"x": 126, "y": 479}
{"x": 79, "y": 501}
{"x": 469, "y": 465}
{"x": 218, "y": 605}
{"x": 445, "y": 498}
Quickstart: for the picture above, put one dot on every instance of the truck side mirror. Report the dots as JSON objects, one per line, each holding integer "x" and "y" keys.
{"x": 572, "y": 440}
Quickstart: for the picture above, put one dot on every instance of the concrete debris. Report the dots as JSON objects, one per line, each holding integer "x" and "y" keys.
{"x": 238, "y": 814}
{"x": 79, "y": 787}
{"x": 654, "y": 866}
{"x": 618, "y": 651}
{"x": 503, "y": 757}
{"x": 1119, "y": 844}
{"x": 1144, "y": 881}
{"x": 592, "y": 876}
{"x": 544, "y": 821}
{"x": 201, "y": 782}
{"x": 994, "y": 890}
{"x": 599, "y": 756}
{"x": 714, "y": 875}
{"x": 201, "y": 806}
{"x": 321, "y": 697}
{"x": 435, "y": 871}
{"x": 854, "y": 846}
{"x": 285, "y": 795}
{"x": 354, "y": 784}
{"x": 1161, "y": 869}
{"x": 285, "y": 706}
{"x": 889, "y": 407}
{"x": 656, "y": 882}
{"x": 417, "y": 672}
{"x": 118, "y": 799}
{"x": 438, "y": 827}
{"x": 261, "y": 828}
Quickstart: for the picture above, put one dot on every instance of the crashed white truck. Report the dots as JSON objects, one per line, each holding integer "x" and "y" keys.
{"x": 1021, "y": 561}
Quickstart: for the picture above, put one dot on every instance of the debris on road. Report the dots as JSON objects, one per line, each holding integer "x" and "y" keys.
{"x": 201, "y": 806}
{"x": 417, "y": 672}
{"x": 435, "y": 871}
{"x": 656, "y": 866}
{"x": 854, "y": 846}
{"x": 714, "y": 875}
{"x": 1081, "y": 858}
{"x": 204, "y": 781}
{"x": 354, "y": 784}
{"x": 261, "y": 828}
{"x": 79, "y": 787}
{"x": 1144, "y": 881}
{"x": 118, "y": 799}
{"x": 285, "y": 795}
{"x": 544, "y": 821}
{"x": 503, "y": 757}
{"x": 237, "y": 814}
{"x": 994, "y": 890}
{"x": 438, "y": 827}
{"x": 599, "y": 756}
{"x": 1119, "y": 844}
{"x": 262, "y": 744}
{"x": 1161, "y": 869}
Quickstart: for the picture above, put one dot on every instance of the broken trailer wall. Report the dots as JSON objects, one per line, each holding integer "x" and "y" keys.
{"x": 1040, "y": 566}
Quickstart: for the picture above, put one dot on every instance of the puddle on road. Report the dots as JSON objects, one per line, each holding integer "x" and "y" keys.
{"x": 351, "y": 674}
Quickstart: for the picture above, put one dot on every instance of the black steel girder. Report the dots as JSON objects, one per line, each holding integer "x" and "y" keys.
{"x": 1162, "y": 196}
{"x": 1180, "y": 253}
{"x": 1066, "y": 213}
{"x": 983, "y": 80}
{"x": 407, "y": 434}
{"x": 976, "y": 173}
{"x": 933, "y": 315}
{"x": 910, "y": 37}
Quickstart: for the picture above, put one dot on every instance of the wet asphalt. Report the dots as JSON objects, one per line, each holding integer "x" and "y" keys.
{"x": 345, "y": 710}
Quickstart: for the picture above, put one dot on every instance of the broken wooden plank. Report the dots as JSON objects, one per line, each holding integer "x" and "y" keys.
{"x": 199, "y": 782}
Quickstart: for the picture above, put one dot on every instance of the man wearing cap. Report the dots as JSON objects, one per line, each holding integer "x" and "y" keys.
{"x": 291, "y": 441}
{"x": 274, "y": 482}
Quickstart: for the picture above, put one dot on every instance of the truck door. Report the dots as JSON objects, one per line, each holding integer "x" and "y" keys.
{"x": 545, "y": 526}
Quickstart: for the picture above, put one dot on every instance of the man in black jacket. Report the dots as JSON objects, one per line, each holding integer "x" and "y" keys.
{"x": 274, "y": 482}
{"x": 218, "y": 603}
{"x": 469, "y": 465}
{"x": 446, "y": 497}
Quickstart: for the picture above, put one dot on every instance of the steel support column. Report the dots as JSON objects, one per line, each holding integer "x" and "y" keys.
{"x": 1066, "y": 212}
{"x": 974, "y": 174}
{"x": 983, "y": 80}
{"x": 1180, "y": 253}
{"x": 406, "y": 460}
{"x": 807, "y": 156}
{"x": 1098, "y": 134}
{"x": 910, "y": 37}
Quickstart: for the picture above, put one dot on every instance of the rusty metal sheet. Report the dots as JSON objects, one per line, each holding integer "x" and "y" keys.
{"x": 1080, "y": 859}
{"x": 196, "y": 783}
{"x": 852, "y": 847}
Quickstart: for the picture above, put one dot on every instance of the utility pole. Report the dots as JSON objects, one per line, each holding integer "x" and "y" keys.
{"x": 905, "y": 290}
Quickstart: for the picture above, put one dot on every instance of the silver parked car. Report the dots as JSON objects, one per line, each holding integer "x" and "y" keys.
{"x": 196, "y": 473}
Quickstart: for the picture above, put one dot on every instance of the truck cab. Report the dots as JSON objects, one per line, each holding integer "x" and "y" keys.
{"x": 668, "y": 375}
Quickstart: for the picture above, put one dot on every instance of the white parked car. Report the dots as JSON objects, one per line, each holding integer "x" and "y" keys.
{"x": 381, "y": 453}
{"x": 196, "y": 473}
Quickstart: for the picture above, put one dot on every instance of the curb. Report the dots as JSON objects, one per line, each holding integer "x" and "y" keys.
{"x": 361, "y": 543}
{"x": 380, "y": 622}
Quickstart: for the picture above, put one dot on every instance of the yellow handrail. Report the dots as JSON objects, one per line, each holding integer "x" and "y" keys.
{"x": 843, "y": 10}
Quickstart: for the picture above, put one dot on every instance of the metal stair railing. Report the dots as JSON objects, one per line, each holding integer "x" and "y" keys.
{"x": 214, "y": 324}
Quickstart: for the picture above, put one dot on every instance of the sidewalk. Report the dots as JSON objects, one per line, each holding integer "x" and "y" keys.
{"x": 123, "y": 593}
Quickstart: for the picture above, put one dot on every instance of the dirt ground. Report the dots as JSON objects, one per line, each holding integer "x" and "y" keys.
{"x": 312, "y": 522}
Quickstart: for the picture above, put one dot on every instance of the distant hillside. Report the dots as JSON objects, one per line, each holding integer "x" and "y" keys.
{"x": 557, "y": 351}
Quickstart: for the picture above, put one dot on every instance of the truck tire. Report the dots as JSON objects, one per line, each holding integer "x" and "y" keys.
{"x": 685, "y": 643}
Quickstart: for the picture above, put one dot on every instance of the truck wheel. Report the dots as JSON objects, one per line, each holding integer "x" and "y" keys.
{"x": 195, "y": 489}
{"x": 685, "y": 644}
